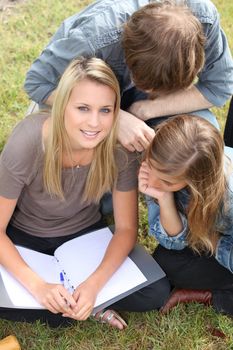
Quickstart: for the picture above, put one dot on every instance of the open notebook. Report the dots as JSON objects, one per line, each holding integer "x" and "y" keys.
{"x": 77, "y": 259}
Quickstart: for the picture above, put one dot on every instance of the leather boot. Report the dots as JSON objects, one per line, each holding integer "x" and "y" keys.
{"x": 178, "y": 296}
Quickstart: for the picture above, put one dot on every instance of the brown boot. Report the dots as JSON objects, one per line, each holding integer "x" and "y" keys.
{"x": 178, "y": 296}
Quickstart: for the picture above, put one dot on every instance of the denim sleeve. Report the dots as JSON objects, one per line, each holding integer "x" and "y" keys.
{"x": 224, "y": 252}
{"x": 216, "y": 79}
{"x": 156, "y": 229}
{"x": 45, "y": 72}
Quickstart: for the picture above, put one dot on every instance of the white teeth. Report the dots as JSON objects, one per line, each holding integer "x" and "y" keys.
{"x": 90, "y": 133}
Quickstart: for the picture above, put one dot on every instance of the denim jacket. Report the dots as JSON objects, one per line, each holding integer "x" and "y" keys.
{"x": 224, "y": 225}
{"x": 97, "y": 31}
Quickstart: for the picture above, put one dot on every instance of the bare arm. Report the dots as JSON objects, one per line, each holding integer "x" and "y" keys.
{"x": 169, "y": 216}
{"x": 123, "y": 241}
{"x": 49, "y": 295}
{"x": 183, "y": 101}
{"x": 126, "y": 227}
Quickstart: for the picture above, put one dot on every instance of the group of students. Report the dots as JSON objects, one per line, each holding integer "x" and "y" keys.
{"x": 106, "y": 71}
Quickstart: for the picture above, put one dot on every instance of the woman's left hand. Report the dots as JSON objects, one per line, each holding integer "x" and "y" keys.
{"x": 85, "y": 296}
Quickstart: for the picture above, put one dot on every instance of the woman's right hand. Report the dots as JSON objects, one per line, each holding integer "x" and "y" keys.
{"x": 143, "y": 182}
{"x": 55, "y": 298}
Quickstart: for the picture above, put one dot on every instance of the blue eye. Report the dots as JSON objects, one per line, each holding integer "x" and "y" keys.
{"x": 105, "y": 110}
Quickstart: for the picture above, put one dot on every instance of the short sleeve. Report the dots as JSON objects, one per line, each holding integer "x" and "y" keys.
{"x": 128, "y": 165}
{"x": 18, "y": 159}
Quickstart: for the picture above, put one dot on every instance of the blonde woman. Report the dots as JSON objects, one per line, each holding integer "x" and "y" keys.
{"x": 191, "y": 211}
{"x": 53, "y": 171}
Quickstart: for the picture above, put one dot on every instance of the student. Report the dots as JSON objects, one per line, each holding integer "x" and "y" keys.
{"x": 136, "y": 38}
{"x": 185, "y": 174}
{"x": 53, "y": 171}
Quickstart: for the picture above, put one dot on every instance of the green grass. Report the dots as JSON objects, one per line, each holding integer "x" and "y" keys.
{"x": 24, "y": 31}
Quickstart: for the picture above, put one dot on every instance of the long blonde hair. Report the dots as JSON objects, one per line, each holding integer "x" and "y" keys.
{"x": 192, "y": 150}
{"x": 102, "y": 171}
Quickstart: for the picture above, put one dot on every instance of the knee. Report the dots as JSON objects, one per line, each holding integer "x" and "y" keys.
{"x": 148, "y": 298}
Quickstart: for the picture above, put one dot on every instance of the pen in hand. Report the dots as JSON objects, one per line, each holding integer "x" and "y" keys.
{"x": 62, "y": 280}
{"x": 70, "y": 289}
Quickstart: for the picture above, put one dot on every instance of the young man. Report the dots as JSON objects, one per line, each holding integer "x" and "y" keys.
{"x": 176, "y": 54}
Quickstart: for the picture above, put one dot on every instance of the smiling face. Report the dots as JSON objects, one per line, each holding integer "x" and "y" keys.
{"x": 163, "y": 182}
{"x": 89, "y": 114}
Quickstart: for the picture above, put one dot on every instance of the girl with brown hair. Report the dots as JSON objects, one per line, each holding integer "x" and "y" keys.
{"x": 191, "y": 211}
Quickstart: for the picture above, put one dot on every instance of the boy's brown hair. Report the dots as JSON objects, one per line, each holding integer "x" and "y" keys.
{"x": 164, "y": 47}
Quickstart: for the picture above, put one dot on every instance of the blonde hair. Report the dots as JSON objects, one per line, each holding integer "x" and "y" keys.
{"x": 102, "y": 171}
{"x": 164, "y": 46}
{"x": 191, "y": 149}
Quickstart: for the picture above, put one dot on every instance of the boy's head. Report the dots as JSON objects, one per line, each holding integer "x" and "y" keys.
{"x": 164, "y": 47}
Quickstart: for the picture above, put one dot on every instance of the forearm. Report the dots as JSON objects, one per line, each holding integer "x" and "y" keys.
{"x": 169, "y": 216}
{"x": 12, "y": 262}
{"x": 183, "y": 101}
{"x": 119, "y": 248}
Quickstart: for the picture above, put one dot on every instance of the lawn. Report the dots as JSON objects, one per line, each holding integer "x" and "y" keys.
{"x": 24, "y": 30}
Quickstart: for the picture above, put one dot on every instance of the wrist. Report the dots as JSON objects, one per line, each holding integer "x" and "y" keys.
{"x": 166, "y": 199}
{"x": 94, "y": 283}
{"x": 33, "y": 282}
{"x": 142, "y": 110}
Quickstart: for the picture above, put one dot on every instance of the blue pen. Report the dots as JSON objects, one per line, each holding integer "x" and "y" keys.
{"x": 62, "y": 280}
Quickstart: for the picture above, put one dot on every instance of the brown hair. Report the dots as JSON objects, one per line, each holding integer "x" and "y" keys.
{"x": 164, "y": 46}
{"x": 192, "y": 150}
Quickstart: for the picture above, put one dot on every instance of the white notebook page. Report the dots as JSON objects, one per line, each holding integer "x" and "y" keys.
{"x": 90, "y": 248}
{"x": 78, "y": 258}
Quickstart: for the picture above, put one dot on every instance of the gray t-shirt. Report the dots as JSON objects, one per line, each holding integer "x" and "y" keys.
{"x": 21, "y": 176}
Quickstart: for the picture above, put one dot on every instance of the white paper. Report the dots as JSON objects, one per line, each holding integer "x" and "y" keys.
{"x": 79, "y": 258}
{"x": 91, "y": 248}
{"x": 44, "y": 265}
